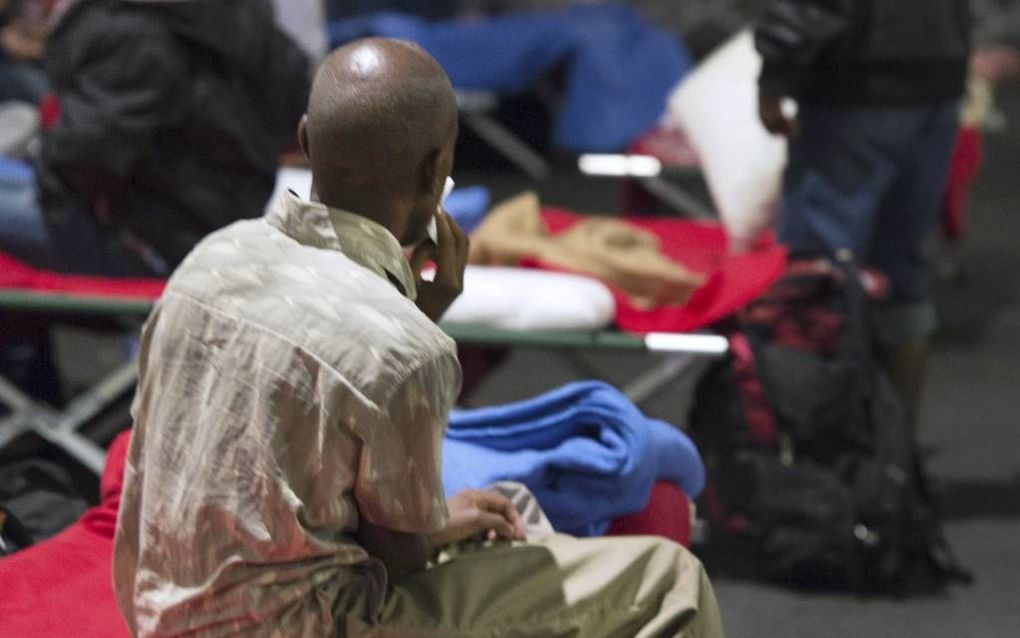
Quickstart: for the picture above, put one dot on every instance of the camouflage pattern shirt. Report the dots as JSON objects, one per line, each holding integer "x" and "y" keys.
{"x": 288, "y": 387}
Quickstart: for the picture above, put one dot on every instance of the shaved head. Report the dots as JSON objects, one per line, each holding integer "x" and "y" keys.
{"x": 379, "y": 132}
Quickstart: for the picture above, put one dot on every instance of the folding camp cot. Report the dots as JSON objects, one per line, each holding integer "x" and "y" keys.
{"x": 62, "y": 427}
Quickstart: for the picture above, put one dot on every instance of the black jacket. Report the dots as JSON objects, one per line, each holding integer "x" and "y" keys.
{"x": 865, "y": 52}
{"x": 173, "y": 116}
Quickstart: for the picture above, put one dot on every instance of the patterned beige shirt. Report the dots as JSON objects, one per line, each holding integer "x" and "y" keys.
{"x": 289, "y": 386}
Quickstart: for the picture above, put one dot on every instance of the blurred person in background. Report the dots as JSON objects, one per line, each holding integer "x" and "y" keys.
{"x": 22, "y": 43}
{"x": 304, "y": 21}
{"x": 171, "y": 119}
{"x": 878, "y": 85}
{"x": 701, "y": 25}
{"x": 173, "y": 115}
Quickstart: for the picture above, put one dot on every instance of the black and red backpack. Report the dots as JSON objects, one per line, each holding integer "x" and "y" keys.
{"x": 810, "y": 456}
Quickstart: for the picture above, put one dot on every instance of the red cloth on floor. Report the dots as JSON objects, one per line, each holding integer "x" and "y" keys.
{"x": 63, "y": 586}
{"x": 16, "y": 274}
{"x": 968, "y": 155}
{"x": 667, "y": 514}
{"x": 733, "y": 280}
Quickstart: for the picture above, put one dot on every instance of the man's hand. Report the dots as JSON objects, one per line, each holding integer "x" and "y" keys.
{"x": 22, "y": 43}
{"x": 996, "y": 64}
{"x": 770, "y": 110}
{"x": 450, "y": 257}
{"x": 479, "y": 514}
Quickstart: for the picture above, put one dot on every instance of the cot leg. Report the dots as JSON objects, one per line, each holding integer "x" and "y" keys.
{"x": 508, "y": 144}
{"x": 678, "y": 199}
{"x": 61, "y": 428}
{"x": 659, "y": 377}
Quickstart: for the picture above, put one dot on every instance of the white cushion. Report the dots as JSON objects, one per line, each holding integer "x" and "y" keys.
{"x": 525, "y": 299}
{"x": 717, "y": 106}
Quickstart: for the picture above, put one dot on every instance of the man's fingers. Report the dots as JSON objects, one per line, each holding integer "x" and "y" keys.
{"x": 499, "y": 504}
{"x": 490, "y": 521}
{"x": 424, "y": 253}
{"x": 462, "y": 239}
{"x": 448, "y": 253}
{"x": 453, "y": 253}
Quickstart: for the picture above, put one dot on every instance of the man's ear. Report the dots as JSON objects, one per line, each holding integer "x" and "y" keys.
{"x": 432, "y": 172}
{"x": 302, "y": 135}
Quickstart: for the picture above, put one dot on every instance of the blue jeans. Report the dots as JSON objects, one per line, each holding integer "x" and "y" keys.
{"x": 22, "y": 229}
{"x": 22, "y": 82}
{"x": 66, "y": 237}
{"x": 872, "y": 179}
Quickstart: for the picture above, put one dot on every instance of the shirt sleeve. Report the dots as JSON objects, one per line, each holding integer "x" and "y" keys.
{"x": 399, "y": 483}
{"x": 791, "y": 34}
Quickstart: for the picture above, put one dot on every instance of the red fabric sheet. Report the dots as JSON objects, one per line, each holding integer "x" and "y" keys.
{"x": 63, "y": 586}
{"x": 16, "y": 274}
{"x": 733, "y": 280}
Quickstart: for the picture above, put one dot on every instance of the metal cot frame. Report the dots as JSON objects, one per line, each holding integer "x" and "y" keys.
{"x": 62, "y": 427}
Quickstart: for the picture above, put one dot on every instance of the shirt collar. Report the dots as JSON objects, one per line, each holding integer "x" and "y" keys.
{"x": 359, "y": 238}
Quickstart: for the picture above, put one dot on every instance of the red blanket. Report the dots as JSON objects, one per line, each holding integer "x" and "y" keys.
{"x": 63, "y": 586}
{"x": 15, "y": 274}
{"x": 733, "y": 280}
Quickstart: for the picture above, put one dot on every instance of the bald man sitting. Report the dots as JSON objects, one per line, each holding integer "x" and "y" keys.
{"x": 284, "y": 472}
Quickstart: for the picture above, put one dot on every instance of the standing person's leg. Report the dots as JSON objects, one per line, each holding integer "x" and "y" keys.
{"x": 556, "y": 586}
{"x": 840, "y": 168}
{"x": 909, "y": 216}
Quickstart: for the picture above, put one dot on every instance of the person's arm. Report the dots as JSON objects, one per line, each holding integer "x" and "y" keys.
{"x": 128, "y": 81}
{"x": 789, "y": 36}
{"x": 398, "y": 487}
{"x": 20, "y": 43}
{"x": 404, "y": 516}
{"x": 402, "y": 553}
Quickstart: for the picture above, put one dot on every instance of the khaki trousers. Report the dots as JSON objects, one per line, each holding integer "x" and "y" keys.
{"x": 557, "y": 586}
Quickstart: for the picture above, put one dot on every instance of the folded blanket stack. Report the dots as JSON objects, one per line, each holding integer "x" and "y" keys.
{"x": 585, "y": 451}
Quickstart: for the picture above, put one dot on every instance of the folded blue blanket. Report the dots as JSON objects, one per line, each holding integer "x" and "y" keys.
{"x": 620, "y": 69}
{"x": 584, "y": 450}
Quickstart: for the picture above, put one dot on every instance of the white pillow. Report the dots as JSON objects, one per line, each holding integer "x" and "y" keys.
{"x": 717, "y": 107}
{"x": 525, "y": 299}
